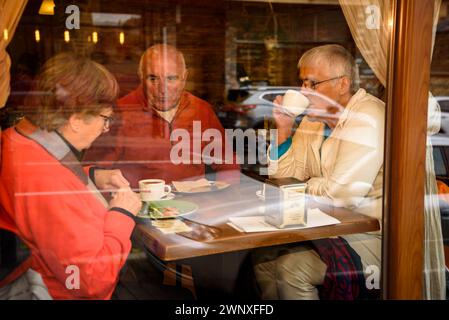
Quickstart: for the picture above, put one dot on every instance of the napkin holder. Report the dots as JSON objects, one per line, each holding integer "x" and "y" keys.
{"x": 285, "y": 202}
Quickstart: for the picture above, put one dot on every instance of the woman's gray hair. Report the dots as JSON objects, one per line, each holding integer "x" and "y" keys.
{"x": 69, "y": 84}
{"x": 337, "y": 57}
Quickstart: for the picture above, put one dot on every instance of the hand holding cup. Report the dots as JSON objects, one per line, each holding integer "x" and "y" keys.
{"x": 286, "y": 109}
{"x": 294, "y": 102}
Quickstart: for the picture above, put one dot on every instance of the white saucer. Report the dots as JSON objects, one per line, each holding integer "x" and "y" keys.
{"x": 260, "y": 195}
{"x": 169, "y": 196}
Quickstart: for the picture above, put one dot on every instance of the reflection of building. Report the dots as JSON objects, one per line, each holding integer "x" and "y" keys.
{"x": 268, "y": 40}
{"x": 216, "y": 37}
{"x": 440, "y": 62}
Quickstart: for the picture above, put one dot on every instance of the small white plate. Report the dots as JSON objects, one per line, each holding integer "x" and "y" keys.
{"x": 213, "y": 186}
{"x": 169, "y": 196}
{"x": 260, "y": 195}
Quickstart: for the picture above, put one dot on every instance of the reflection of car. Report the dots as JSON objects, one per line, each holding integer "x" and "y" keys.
{"x": 443, "y": 101}
{"x": 253, "y": 106}
{"x": 440, "y": 143}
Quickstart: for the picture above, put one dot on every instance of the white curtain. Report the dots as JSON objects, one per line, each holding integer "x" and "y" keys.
{"x": 10, "y": 13}
{"x": 373, "y": 42}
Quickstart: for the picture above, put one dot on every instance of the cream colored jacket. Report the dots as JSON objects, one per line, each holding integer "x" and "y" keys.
{"x": 348, "y": 170}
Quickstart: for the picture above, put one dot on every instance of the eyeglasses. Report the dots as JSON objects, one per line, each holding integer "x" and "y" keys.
{"x": 108, "y": 120}
{"x": 311, "y": 84}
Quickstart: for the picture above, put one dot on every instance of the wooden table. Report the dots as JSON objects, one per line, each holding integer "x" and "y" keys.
{"x": 212, "y": 235}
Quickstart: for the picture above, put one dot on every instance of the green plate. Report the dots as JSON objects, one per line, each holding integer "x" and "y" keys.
{"x": 183, "y": 207}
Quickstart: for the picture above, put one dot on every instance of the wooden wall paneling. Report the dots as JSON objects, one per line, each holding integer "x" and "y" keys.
{"x": 408, "y": 85}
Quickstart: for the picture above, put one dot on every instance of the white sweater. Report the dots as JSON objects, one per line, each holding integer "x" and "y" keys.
{"x": 348, "y": 172}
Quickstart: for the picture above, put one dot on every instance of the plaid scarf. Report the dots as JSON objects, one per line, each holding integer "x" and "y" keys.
{"x": 344, "y": 278}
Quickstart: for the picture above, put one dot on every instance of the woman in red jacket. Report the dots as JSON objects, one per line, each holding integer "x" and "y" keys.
{"x": 78, "y": 241}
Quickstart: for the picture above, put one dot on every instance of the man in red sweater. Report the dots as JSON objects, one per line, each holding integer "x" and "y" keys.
{"x": 156, "y": 118}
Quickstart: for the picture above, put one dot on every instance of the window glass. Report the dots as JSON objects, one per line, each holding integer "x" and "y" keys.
{"x": 440, "y": 168}
{"x": 436, "y": 241}
{"x": 186, "y": 118}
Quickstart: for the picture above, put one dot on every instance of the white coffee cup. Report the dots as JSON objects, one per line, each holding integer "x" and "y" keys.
{"x": 153, "y": 189}
{"x": 295, "y": 102}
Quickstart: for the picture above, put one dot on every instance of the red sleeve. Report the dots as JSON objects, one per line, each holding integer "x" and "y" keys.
{"x": 71, "y": 228}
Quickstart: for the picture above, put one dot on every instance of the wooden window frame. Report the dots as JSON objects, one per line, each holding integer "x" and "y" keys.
{"x": 405, "y": 145}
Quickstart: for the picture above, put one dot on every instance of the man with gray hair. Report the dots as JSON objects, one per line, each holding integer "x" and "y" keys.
{"x": 155, "y": 112}
{"x": 338, "y": 149}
